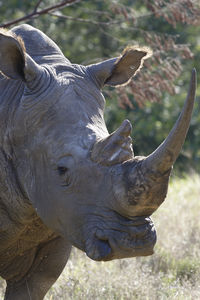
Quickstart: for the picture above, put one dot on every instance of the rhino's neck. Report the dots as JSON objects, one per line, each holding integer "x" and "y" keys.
{"x": 21, "y": 230}
{"x": 13, "y": 201}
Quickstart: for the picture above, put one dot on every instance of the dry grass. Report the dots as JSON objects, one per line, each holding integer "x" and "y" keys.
{"x": 173, "y": 272}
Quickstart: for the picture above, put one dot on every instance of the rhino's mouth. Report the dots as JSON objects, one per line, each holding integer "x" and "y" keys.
{"x": 135, "y": 237}
{"x": 98, "y": 249}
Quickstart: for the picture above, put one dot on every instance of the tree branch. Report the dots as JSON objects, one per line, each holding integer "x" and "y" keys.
{"x": 59, "y": 15}
{"x": 36, "y": 13}
{"x": 37, "y": 5}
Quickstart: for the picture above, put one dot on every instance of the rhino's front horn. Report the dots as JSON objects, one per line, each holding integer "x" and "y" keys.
{"x": 145, "y": 180}
{"x": 165, "y": 155}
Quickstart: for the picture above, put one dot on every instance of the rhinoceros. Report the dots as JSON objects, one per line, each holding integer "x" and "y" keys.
{"x": 65, "y": 181}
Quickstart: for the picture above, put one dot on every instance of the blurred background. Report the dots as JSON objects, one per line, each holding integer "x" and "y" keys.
{"x": 93, "y": 30}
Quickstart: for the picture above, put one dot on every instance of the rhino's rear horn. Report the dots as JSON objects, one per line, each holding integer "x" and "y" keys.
{"x": 115, "y": 148}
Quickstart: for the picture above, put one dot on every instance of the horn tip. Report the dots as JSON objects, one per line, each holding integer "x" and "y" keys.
{"x": 194, "y": 70}
{"x": 192, "y": 86}
{"x": 194, "y": 76}
{"x": 127, "y": 126}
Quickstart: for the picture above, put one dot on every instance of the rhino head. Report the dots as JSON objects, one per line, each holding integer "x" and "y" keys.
{"x": 83, "y": 182}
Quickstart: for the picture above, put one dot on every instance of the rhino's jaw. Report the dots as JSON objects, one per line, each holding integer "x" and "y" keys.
{"x": 131, "y": 238}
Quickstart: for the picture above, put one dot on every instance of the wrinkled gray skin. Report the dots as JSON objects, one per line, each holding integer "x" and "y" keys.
{"x": 64, "y": 180}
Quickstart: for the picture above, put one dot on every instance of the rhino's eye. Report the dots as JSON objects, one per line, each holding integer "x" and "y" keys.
{"x": 62, "y": 170}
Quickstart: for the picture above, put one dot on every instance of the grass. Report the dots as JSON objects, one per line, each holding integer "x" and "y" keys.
{"x": 173, "y": 272}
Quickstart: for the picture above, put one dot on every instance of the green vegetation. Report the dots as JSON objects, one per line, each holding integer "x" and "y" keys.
{"x": 173, "y": 272}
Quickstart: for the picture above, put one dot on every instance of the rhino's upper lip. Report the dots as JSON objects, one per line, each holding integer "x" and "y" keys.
{"x": 113, "y": 250}
{"x": 107, "y": 244}
{"x": 98, "y": 249}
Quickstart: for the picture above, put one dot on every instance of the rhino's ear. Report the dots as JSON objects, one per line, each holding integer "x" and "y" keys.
{"x": 15, "y": 63}
{"x": 120, "y": 70}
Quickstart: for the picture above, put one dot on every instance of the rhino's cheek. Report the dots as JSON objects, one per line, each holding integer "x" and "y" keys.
{"x": 107, "y": 244}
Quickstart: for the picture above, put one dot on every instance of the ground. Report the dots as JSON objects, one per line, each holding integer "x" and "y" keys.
{"x": 173, "y": 272}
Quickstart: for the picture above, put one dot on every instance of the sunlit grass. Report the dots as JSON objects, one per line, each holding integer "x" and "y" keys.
{"x": 173, "y": 272}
